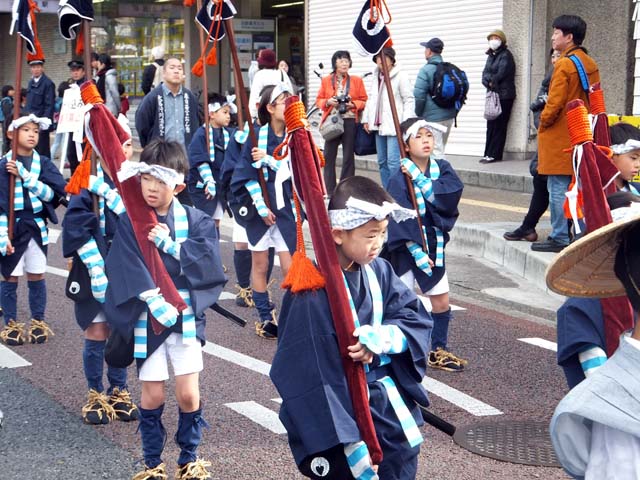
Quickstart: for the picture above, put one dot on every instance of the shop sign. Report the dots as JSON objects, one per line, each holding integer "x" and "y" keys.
{"x": 254, "y": 24}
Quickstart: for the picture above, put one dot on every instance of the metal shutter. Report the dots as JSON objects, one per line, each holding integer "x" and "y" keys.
{"x": 461, "y": 24}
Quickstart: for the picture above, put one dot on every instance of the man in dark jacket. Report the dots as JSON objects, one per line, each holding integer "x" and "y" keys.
{"x": 423, "y": 91}
{"x": 498, "y": 76}
{"x": 41, "y": 98}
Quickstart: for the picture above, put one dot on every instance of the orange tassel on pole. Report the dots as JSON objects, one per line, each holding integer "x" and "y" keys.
{"x": 80, "y": 45}
{"x": 188, "y": 3}
{"x": 80, "y": 178}
{"x": 198, "y": 68}
{"x": 212, "y": 57}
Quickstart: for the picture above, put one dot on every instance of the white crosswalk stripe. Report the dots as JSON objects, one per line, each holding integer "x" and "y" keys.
{"x": 10, "y": 359}
{"x": 541, "y": 342}
{"x": 259, "y": 414}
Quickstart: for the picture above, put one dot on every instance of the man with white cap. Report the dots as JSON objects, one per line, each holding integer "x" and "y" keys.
{"x": 152, "y": 74}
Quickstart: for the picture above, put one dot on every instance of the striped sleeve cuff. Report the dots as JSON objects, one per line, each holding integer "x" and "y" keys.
{"x": 359, "y": 461}
{"x": 591, "y": 359}
{"x": 90, "y": 255}
{"x": 254, "y": 190}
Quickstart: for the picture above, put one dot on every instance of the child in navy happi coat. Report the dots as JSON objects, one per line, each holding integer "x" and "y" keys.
{"x": 87, "y": 237}
{"x": 39, "y": 189}
{"x": 187, "y": 242}
{"x": 437, "y": 191}
{"x": 393, "y": 329}
{"x": 206, "y": 157}
{"x": 273, "y": 226}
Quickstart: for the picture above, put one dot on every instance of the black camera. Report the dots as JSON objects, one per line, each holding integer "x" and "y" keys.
{"x": 343, "y": 100}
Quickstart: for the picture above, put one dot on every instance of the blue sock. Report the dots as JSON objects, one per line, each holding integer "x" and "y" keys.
{"x": 9, "y": 300}
{"x": 440, "y": 332}
{"x": 93, "y": 362}
{"x": 242, "y": 264}
{"x": 37, "y": 298}
{"x": 263, "y": 305}
{"x": 117, "y": 378}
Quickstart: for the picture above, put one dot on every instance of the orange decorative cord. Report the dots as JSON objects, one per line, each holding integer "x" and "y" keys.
{"x": 295, "y": 117}
{"x": 379, "y": 7}
{"x": 303, "y": 275}
{"x": 90, "y": 94}
{"x": 212, "y": 58}
{"x": 80, "y": 178}
{"x": 321, "y": 157}
{"x": 39, "y": 55}
{"x": 596, "y": 101}
{"x": 579, "y": 126}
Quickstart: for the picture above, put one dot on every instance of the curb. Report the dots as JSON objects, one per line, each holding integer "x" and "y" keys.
{"x": 485, "y": 241}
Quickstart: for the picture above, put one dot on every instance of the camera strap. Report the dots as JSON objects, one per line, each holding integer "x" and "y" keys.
{"x": 347, "y": 86}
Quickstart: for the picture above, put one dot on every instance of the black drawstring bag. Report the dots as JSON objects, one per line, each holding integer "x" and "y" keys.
{"x": 118, "y": 352}
{"x": 78, "y": 287}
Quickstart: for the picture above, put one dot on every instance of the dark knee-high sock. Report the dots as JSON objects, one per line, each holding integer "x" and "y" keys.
{"x": 189, "y": 434}
{"x": 440, "y": 333}
{"x": 9, "y": 300}
{"x": 263, "y": 305}
{"x": 242, "y": 264}
{"x": 93, "y": 362}
{"x": 37, "y": 298}
{"x": 153, "y": 435}
{"x": 117, "y": 378}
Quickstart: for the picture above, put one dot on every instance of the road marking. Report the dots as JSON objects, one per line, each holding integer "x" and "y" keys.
{"x": 497, "y": 206}
{"x": 259, "y": 414}
{"x": 462, "y": 400}
{"x": 277, "y": 400}
{"x": 237, "y": 358}
{"x": 427, "y": 304}
{"x": 450, "y": 394}
{"x": 10, "y": 359}
{"x": 54, "y": 234}
{"x": 541, "y": 342}
{"x": 227, "y": 296}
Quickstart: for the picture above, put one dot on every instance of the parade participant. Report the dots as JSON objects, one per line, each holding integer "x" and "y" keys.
{"x": 41, "y": 98}
{"x": 393, "y": 331}
{"x": 206, "y": 157}
{"x": 274, "y": 225}
{"x": 188, "y": 245}
{"x": 39, "y": 187}
{"x": 625, "y": 145}
{"x": 595, "y": 429}
{"x": 86, "y": 237}
{"x": 436, "y": 190}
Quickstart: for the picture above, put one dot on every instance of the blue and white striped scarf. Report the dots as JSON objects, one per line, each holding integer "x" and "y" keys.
{"x": 181, "y": 228}
{"x": 212, "y": 150}
{"x": 426, "y": 193}
{"x": 409, "y": 426}
{"x": 36, "y": 203}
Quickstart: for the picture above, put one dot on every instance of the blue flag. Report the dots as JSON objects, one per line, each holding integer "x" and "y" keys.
{"x": 70, "y": 16}
{"x": 205, "y": 18}
{"x": 370, "y": 36}
{"x": 21, "y": 23}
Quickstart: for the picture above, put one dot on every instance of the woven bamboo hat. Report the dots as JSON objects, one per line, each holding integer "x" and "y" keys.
{"x": 586, "y": 267}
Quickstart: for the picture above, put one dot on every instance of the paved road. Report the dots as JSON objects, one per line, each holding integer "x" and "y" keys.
{"x": 507, "y": 378}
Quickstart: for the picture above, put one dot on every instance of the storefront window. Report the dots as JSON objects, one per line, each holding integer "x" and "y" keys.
{"x": 128, "y": 32}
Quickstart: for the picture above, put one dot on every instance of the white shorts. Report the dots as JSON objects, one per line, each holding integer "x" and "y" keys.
{"x": 217, "y": 215}
{"x": 100, "y": 318}
{"x": 185, "y": 359}
{"x": 33, "y": 261}
{"x": 438, "y": 289}
{"x": 239, "y": 234}
{"x": 272, "y": 238}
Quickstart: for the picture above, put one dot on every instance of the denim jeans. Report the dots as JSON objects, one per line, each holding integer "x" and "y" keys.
{"x": 557, "y": 186}
{"x": 388, "y": 156}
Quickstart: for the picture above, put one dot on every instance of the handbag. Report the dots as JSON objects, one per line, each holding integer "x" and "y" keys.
{"x": 242, "y": 209}
{"x": 492, "y": 107}
{"x": 365, "y": 143}
{"x": 118, "y": 352}
{"x": 333, "y": 126}
{"x": 78, "y": 287}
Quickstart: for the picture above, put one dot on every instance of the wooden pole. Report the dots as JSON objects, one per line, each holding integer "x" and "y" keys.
{"x": 86, "y": 33}
{"x": 17, "y": 97}
{"x": 244, "y": 103}
{"x": 205, "y": 93}
{"x": 401, "y": 144}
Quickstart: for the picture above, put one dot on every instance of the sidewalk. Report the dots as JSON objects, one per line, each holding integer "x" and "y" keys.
{"x": 484, "y": 240}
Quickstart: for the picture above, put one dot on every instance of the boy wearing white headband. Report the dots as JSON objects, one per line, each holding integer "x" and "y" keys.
{"x": 393, "y": 331}
{"x": 436, "y": 190}
{"x": 86, "y": 238}
{"x": 39, "y": 189}
{"x": 187, "y": 242}
{"x": 625, "y": 144}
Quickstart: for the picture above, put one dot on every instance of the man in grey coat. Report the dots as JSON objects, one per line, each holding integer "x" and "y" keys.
{"x": 423, "y": 91}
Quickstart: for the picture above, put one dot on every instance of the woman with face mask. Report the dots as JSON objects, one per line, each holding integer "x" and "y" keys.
{"x": 498, "y": 76}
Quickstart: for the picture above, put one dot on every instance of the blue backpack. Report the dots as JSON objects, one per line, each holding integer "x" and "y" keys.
{"x": 450, "y": 86}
